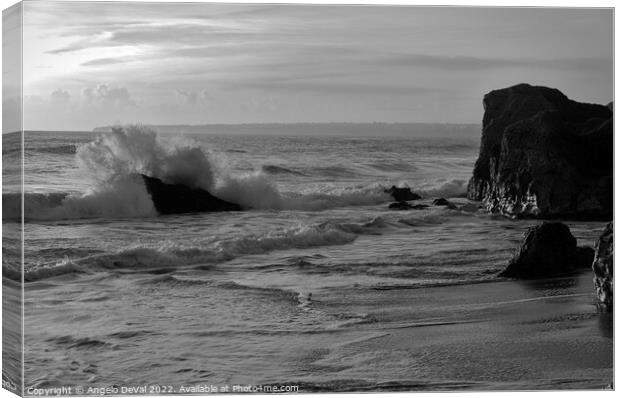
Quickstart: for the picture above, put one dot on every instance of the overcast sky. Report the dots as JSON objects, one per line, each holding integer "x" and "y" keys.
{"x": 93, "y": 64}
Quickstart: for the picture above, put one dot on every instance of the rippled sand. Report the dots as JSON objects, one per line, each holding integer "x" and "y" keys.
{"x": 494, "y": 335}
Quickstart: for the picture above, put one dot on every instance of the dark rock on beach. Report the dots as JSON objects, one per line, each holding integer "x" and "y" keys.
{"x": 176, "y": 199}
{"x": 402, "y": 194}
{"x": 544, "y": 155}
{"x": 547, "y": 250}
{"x": 603, "y": 267}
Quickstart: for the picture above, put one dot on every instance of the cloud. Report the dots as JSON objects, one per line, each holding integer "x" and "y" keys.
{"x": 337, "y": 88}
{"x": 170, "y": 34}
{"x": 188, "y": 97}
{"x": 11, "y": 114}
{"x": 108, "y": 96}
{"x": 60, "y": 96}
{"x": 466, "y": 63}
{"x": 194, "y": 97}
{"x": 305, "y": 63}
{"x": 104, "y": 61}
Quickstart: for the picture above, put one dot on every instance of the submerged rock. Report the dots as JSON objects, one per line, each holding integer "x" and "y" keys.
{"x": 544, "y": 155}
{"x": 603, "y": 267}
{"x": 444, "y": 202}
{"x": 176, "y": 199}
{"x": 469, "y": 208}
{"x": 547, "y": 250}
{"x": 399, "y": 206}
{"x": 406, "y": 206}
{"x": 402, "y": 194}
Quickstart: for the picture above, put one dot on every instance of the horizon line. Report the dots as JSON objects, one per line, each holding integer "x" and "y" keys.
{"x": 244, "y": 124}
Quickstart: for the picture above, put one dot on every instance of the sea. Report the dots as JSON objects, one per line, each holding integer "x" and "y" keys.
{"x": 116, "y": 295}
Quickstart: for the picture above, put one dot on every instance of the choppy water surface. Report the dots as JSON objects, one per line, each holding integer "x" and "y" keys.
{"x": 118, "y": 295}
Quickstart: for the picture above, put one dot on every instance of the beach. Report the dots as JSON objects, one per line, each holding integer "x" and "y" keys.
{"x": 506, "y": 335}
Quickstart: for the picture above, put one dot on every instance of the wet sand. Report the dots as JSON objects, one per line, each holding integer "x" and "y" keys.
{"x": 11, "y": 336}
{"x": 501, "y": 335}
{"x": 509, "y": 335}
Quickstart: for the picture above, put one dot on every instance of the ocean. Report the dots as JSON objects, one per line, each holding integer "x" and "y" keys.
{"x": 292, "y": 291}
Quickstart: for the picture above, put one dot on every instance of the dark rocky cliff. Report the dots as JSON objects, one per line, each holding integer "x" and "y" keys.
{"x": 544, "y": 155}
{"x": 603, "y": 267}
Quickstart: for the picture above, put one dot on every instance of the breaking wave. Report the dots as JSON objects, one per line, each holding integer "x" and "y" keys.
{"x": 145, "y": 257}
{"x": 455, "y": 188}
{"x": 114, "y": 159}
{"x": 123, "y": 197}
{"x": 273, "y": 169}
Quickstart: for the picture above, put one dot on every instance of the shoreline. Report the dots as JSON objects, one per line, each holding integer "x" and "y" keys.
{"x": 508, "y": 335}
{"x": 501, "y": 335}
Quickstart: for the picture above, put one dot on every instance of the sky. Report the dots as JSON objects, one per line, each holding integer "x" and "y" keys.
{"x": 96, "y": 64}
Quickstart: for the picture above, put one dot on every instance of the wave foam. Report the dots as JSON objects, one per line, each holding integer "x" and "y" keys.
{"x": 299, "y": 237}
{"x": 139, "y": 150}
{"x": 456, "y": 188}
{"x": 113, "y": 160}
{"x": 122, "y": 197}
{"x": 143, "y": 258}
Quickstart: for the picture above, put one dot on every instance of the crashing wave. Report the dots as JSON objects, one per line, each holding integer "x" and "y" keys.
{"x": 114, "y": 160}
{"x": 149, "y": 257}
{"x": 455, "y": 188}
{"x": 123, "y": 197}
